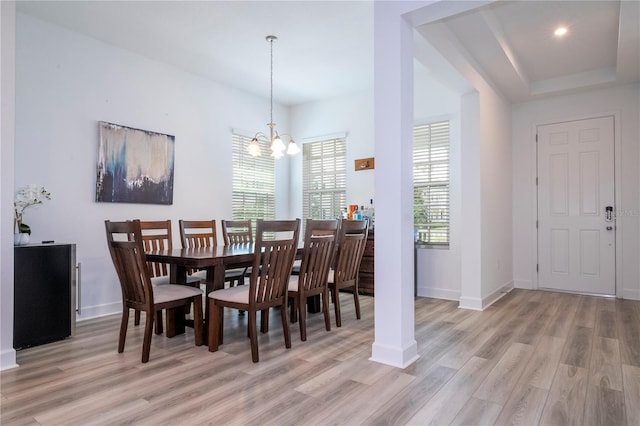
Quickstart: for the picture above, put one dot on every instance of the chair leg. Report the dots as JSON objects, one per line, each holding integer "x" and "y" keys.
{"x": 220, "y": 324}
{"x": 136, "y": 317}
{"x": 325, "y": 310}
{"x": 285, "y": 326}
{"x": 336, "y": 305}
{"x": 264, "y": 323}
{"x": 356, "y": 300}
{"x": 197, "y": 319}
{"x": 123, "y": 329}
{"x": 148, "y": 332}
{"x": 253, "y": 336}
{"x": 214, "y": 325}
{"x": 302, "y": 317}
{"x": 293, "y": 317}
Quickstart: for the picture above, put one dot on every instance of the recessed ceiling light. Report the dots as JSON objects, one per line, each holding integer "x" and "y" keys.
{"x": 560, "y": 31}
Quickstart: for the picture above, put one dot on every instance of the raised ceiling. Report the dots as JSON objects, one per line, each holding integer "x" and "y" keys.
{"x": 325, "y": 48}
{"x": 512, "y": 45}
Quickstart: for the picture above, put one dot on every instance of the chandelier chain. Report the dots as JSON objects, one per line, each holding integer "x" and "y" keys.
{"x": 271, "y": 81}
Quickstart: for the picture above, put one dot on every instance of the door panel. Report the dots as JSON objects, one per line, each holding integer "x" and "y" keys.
{"x": 576, "y": 250}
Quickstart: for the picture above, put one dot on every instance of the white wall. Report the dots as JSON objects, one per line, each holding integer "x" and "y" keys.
{"x": 7, "y": 124}
{"x": 623, "y": 101}
{"x": 353, "y": 115}
{"x": 438, "y": 270}
{"x": 65, "y": 84}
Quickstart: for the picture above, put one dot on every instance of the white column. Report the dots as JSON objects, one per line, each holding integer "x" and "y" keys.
{"x": 7, "y": 142}
{"x": 471, "y": 238}
{"x": 395, "y": 342}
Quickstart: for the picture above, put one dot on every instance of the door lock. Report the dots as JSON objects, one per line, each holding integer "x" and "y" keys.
{"x": 609, "y": 228}
{"x": 608, "y": 214}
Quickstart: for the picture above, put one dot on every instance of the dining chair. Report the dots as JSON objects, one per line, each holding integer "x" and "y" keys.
{"x": 157, "y": 236}
{"x": 275, "y": 248}
{"x": 319, "y": 243}
{"x": 352, "y": 239}
{"x": 138, "y": 293}
{"x": 236, "y": 231}
{"x": 200, "y": 234}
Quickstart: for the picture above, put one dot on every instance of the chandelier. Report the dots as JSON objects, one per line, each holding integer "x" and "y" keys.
{"x": 275, "y": 143}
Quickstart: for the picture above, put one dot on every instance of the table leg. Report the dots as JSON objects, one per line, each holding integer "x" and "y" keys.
{"x": 176, "y": 316}
{"x": 313, "y": 304}
{"x": 215, "y": 281}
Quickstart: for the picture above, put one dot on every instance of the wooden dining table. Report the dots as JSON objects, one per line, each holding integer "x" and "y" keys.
{"x": 214, "y": 260}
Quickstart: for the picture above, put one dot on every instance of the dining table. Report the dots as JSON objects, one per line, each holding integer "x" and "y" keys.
{"x": 214, "y": 260}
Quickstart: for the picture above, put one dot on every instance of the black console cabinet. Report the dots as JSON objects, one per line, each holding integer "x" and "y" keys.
{"x": 44, "y": 294}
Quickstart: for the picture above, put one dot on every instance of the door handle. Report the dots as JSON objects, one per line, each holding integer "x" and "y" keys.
{"x": 609, "y": 228}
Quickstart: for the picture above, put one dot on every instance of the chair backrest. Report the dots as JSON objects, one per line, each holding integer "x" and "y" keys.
{"x": 275, "y": 251}
{"x": 118, "y": 231}
{"x": 198, "y": 233}
{"x": 352, "y": 239}
{"x": 130, "y": 264}
{"x": 319, "y": 243}
{"x": 236, "y": 231}
{"x": 156, "y": 236}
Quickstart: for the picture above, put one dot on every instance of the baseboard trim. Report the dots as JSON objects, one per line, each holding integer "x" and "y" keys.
{"x": 99, "y": 311}
{"x": 497, "y": 295}
{"x": 8, "y": 359}
{"x": 631, "y": 294}
{"x": 394, "y": 356}
{"x": 438, "y": 293}
{"x": 523, "y": 284}
{"x": 472, "y": 303}
{"x": 477, "y": 304}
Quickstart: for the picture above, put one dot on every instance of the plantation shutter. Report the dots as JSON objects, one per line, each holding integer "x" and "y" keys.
{"x": 254, "y": 183}
{"x": 324, "y": 178}
{"x": 431, "y": 183}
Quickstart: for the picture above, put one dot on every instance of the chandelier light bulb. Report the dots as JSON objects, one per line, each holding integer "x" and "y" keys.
{"x": 254, "y": 148}
{"x": 292, "y": 148}
{"x": 277, "y": 145}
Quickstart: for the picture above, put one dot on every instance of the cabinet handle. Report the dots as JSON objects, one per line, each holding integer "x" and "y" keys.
{"x": 79, "y": 283}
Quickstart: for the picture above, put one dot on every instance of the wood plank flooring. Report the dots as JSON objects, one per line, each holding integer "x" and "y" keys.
{"x": 531, "y": 358}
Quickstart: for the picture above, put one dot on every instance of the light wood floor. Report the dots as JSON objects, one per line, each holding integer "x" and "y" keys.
{"x": 531, "y": 358}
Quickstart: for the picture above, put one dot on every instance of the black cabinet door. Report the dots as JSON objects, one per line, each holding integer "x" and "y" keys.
{"x": 42, "y": 294}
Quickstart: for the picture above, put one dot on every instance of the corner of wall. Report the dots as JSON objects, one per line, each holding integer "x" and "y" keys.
{"x": 7, "y": 146}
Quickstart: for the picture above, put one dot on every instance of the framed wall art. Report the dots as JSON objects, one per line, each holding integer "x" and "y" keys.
{"x": 134, "y": 166}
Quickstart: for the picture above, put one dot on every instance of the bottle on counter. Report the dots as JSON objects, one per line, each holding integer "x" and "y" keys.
{"x": 371, "y": 213}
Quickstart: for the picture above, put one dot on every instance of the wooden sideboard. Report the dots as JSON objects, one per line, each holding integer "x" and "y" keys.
{"x": 366, "y": 266}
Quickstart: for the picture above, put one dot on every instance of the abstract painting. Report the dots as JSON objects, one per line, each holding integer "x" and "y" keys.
{"x": 134, "y": 166}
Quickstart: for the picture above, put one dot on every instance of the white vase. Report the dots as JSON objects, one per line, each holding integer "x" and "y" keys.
{"x": 20, "y": 239}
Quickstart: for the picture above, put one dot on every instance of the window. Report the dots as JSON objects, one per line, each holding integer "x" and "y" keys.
{"x": 324, "y": 178}
{"x": 431, "y": 183}
{"x": 254, "y": 183}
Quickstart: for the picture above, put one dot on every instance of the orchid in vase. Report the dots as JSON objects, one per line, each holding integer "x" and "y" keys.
{"x": 25, "y": 197}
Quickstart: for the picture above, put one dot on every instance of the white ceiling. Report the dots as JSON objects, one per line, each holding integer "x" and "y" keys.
{"x": 325, "y": 48}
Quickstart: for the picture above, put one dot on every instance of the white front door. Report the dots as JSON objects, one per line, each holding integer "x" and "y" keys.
{"x": 576, "y": 230}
